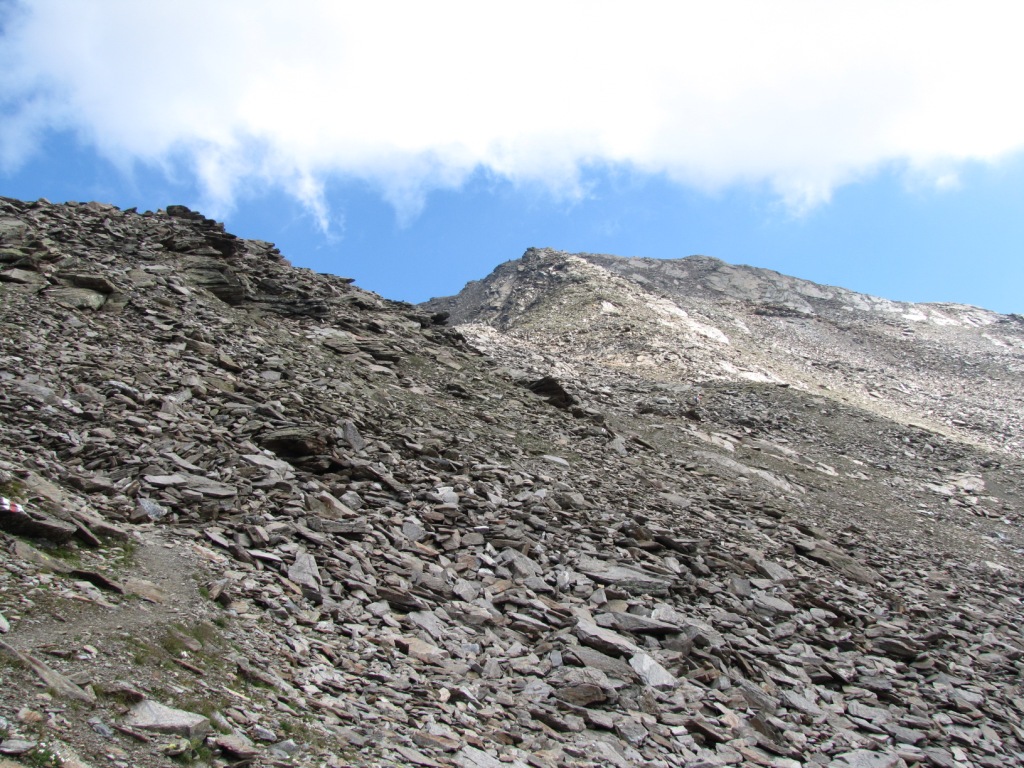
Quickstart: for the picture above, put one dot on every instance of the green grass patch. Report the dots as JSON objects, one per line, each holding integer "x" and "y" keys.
{"x": 68, "y": 553}
{"x": 13, "y": 490}
{"x": 123, "y": 554}
{"x": 42, "y": 756}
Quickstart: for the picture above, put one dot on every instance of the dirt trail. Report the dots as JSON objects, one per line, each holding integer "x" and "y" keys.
{"x": 163, "y": 584}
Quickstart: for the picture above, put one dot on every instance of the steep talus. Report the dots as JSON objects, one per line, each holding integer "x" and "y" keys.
{"x": 621, "y": 514}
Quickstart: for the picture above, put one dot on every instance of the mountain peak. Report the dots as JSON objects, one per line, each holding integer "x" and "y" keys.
{"x": 700, "y": 318}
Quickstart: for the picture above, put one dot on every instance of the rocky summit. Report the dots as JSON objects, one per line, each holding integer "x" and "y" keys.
{"x": 592, "y": 511}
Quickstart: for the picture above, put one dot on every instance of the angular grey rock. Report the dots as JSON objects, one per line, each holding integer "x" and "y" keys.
{"x": 632, "y": 731}
{"x": 605, "y": 640}
{"x": 651, "y": 672}
{"x": 898, "y": 648}
{"x": 352, "y": 437}
{"x": 520, "y": 565}
{"x": 471, "y": 757}
{"x": 15, "y": 747}
{"x": 632, "y": 580}
{"x": 23, "y": 520}
{"x": 149, "y": 509}
{"x": 57, "y": 682}
{"x": 77, "y": 298}
{"x": 237, "y": 745}
{"x": 801, "y": 703}
{"x": 771, "y": 604}
{"x": 641, "y": 625}
{"x": 613, "y": 667}
{"x": 22, "y": 276}
{"x": 581, "y": 694}
{"x": 824, "y": 552}
{"x": 304, "y": 571}
{"x": 866, "y": 758}
{"x": 150, "y": 715}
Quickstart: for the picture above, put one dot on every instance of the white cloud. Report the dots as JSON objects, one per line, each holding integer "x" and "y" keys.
{"x": 801, "y": 95}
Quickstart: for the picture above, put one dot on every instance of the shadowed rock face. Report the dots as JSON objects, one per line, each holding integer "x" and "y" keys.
{"x": 626, "y": 512}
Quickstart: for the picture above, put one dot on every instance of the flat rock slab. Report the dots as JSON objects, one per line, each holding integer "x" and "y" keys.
{"x": 641, "y": 625}
{"x": 652, "y": 673}
{"x": 153, "y": 716}
{"x": 196, "y": 483}
{"x": 304, "y": 571}
{"x": 613, "y": 666}
{"x": 866, "y": 758}
{"x": 421, "y": 650}
{"x": 145, "y": 589}
{"x": 828, "y": 554}
{"x": 605, "y": 640}
{"x": 631, "y": 580}
{"x": 14, "y": 518}
{"x": 415, "y": 757}
{"x": 897, "y": 648}
{"x": 78, "y": 298}
{"x": 471, "y": 757}
{"x": 14, "y": 747}
{"x": 22, "y": 276}
{"x": 240, "y": 746}
{"x": 801, "y": 703}
{"x": 771, "y": 604}
{"x": 519, "y": 564}
{"x": 60, "y": 684}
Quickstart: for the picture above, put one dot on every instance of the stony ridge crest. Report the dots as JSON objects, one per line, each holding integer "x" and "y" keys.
{"x": 951, "y": 368}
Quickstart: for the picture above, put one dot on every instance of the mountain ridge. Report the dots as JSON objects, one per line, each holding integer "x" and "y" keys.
{"x": 704, "y": 319}
{"x": 684, "y": 270}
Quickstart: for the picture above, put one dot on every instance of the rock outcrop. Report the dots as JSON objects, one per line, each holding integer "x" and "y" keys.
{"x": 256, "y": 515}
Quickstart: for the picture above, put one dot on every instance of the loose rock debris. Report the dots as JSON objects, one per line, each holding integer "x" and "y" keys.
{"x": 309, "y": 526}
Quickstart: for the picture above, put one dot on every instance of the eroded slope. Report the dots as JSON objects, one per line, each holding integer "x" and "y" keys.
{"x": 382, "y": 547}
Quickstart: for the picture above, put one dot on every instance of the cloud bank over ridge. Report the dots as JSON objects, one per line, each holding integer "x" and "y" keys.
{"x": 797, "y": 96}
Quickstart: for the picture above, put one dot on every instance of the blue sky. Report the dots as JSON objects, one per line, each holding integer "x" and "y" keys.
{"x": 876, "y": 146}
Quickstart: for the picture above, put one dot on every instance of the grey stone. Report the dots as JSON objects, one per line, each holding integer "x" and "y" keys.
{"x": 613, "y": 667}
{"x": 866, "y": 758}
{"x": 632, "y": 731}
{"x": 148, "y": 508}
{"x": 150, "y": 715}
{"x": 801, "y": 703}
{"x": 604, "y": 640}
{"x": 57, "y": 682}
{"x": 22, "y": 277}
{"x": 14, "y": 748}
{"x": 77, "y": 298}
{"x": 471, "y": 757}
{"x": 520, "y": 565}
{"x": 24, "y": 520}
{"x": 772, "y": 604}
{"x": 632, "y": 580}
{"x": 304, "y": 571}
{"x": 651, "y": 672}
